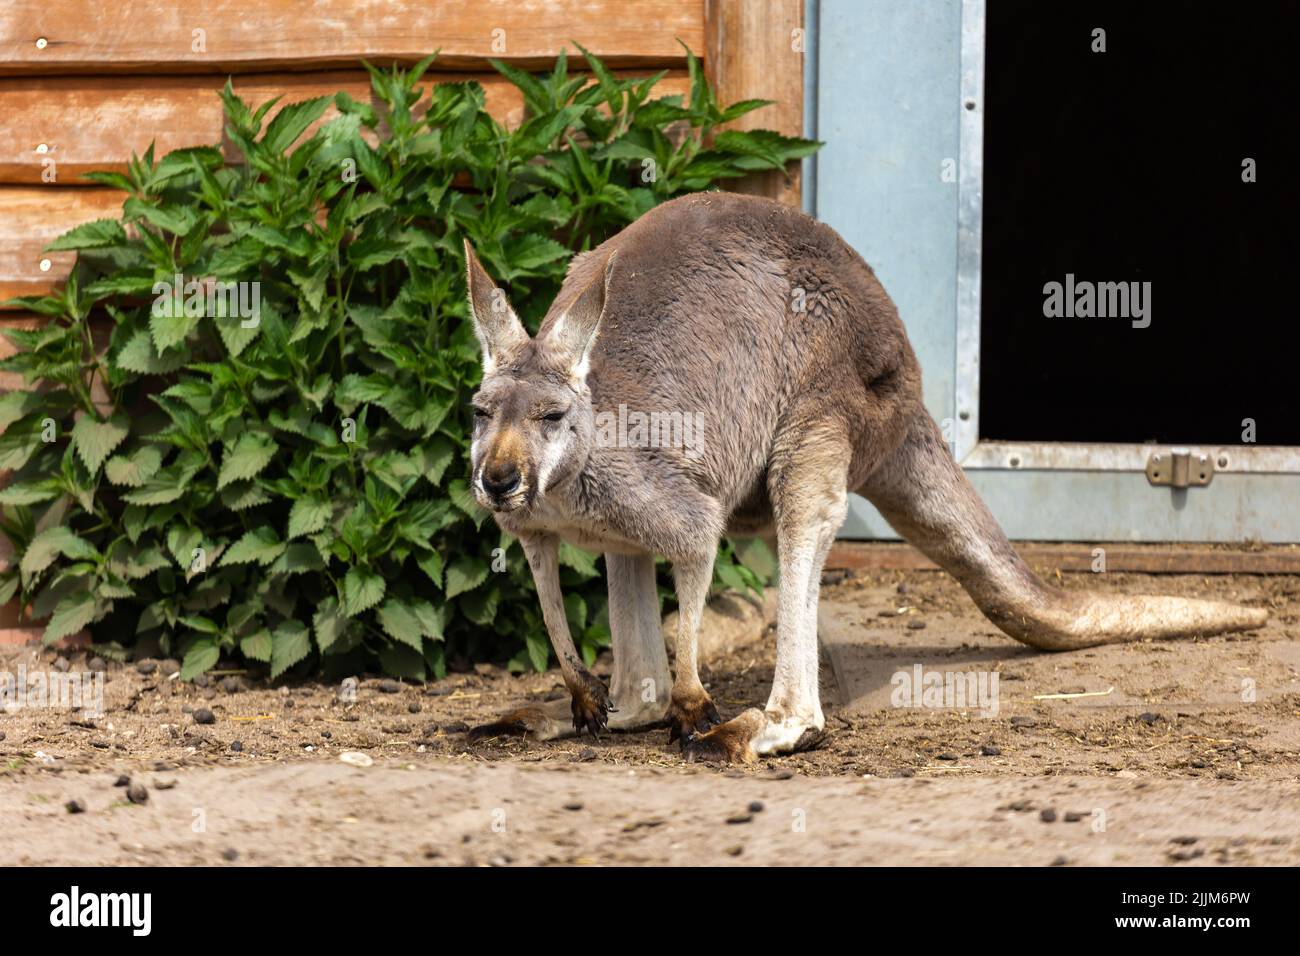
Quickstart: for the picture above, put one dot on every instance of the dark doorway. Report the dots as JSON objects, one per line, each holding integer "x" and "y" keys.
{"x": 1126, "y": 166}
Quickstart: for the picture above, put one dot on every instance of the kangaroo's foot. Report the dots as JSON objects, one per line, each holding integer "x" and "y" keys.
{"x": 587, "y": 710}
{"x": 549, "y": 721}
{"x": 590, "y": 704}
{"x": 753, "y": 734}
{"x": 690, "y": 714}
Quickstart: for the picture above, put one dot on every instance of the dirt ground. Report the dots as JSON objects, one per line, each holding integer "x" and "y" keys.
{"x": 1183, "y": 753}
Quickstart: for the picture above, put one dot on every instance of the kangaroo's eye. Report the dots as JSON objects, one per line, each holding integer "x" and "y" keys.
{"x": 553, "y": 417}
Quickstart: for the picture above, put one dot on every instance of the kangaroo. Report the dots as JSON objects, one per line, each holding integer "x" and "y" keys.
{"x": 766, "y": 324}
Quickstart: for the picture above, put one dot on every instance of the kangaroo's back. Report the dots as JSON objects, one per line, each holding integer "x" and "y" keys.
{"x": 731, "y": 305}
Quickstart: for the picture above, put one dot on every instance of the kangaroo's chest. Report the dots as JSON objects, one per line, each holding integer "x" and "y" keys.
{"x": 578, "y": 530}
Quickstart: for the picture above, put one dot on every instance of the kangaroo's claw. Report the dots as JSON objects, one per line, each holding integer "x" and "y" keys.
{"x": 590, "y": 705}
{"x": 687, "y": 718}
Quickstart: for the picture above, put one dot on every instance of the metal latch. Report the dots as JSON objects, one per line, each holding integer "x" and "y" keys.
{"x": 1180, "y": 469}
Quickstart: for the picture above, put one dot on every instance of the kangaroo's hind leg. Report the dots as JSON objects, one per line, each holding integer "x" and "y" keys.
{"x": 807, "y": 482}
{"x": 640, "y": 682}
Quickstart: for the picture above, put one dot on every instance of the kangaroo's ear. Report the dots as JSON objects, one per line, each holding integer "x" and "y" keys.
{"x": 498, "y": 329}
{"x": 573, "y": 334}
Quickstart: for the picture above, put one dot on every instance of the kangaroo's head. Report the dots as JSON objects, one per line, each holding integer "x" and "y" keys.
{"x": 533, "y": 419}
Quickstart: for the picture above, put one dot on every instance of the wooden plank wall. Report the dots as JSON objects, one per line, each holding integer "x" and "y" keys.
{"x": 755, "y": 51}
{"x": 84, "y": 85}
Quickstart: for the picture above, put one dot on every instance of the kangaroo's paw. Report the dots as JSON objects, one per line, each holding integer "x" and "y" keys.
{"x": 691, "y": 714}
{"x": 590, "y": 704}
{"x": 731, "y": 742}
{"x": 549, "y": 721}
{"x": 753, "y": 734}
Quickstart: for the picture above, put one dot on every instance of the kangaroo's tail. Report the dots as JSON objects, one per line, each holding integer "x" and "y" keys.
{"x": 924, "y": 494}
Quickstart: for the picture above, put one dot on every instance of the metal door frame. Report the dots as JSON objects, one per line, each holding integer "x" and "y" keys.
{"x": 968, "y": 448}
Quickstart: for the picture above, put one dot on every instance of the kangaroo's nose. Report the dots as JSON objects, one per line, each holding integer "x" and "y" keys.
{"x": 500, "y": 480}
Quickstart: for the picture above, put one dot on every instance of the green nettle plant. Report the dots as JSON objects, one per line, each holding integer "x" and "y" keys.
{"x": 270, "y": 457}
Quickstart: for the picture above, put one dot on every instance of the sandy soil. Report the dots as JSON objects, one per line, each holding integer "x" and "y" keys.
{"x": 1187, "y": 754}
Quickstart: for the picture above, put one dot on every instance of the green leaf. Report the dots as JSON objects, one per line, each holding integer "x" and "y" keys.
{"x": 481, "y": 606}
{"x": 741, "y": 107}
{"x": 584, "y": 562}
{"x": 433, "y": 620}
{"x": 730, "y": 576}
{"x": 134, "y": 470}
{"x": 168, "y": 485}
{"x": 362, "y": 590}
{"x": 9, "y": 583}
{"x": 539, "y": 651}
{"x": 133, "y": 282}
{"x": 100, "y": 234}
{"x": 465, "y": 574}
{"x": 95, "y": 440}
{"x": 172, "y": 218}
{"x": 261, "y": 546}
{"x": 257, "y": 646}
{"x": 29, "y": 493}
{"x": 291, "y": 122}
{"x": 609, "y": 86}
{"x": 251, "y": 453}
{"x": 140, "y": 563}
{"x": 298, "y": 558}
{"x": 182, "y": 542}
{"x": 402, "y": 661}
{"x": 235, "y": 334}
{"x": 111, "y": 588}
{"x": 328, "y": 623}
{"x": 169, "y": 330}
{"x": 199, "y": 659}
{"x": 49, "y": 545}
{"x": 70, "y": 615}
{"x": 757, "y": 556}
{"x": 309, "y": 515}
{"x": 530, "y": 252}
{"x": 18, "y": 443}
{"x": 18, "y": 404}
{"x": 431, "y": 564}
{"x": 535, "y": 96}
{"x": 290, "y": 643}
{"x": 138, "y": 355}
{"x": 460, "y": 495}
{"x": 204, "y": 625}
{"x": 400, "y": 623}
{"x": 242, "y": 495}
{"x": 233, "y": 260}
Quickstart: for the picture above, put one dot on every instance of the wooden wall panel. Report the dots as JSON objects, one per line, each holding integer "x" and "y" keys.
{"x": 58, "y": 37}
{"x": 30, "y": 217}
{"x": 78, "y": 126}
{"x": 754, "y": 50}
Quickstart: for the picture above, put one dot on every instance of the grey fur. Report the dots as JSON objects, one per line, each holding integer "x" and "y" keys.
{"x": 772, "y": 328}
